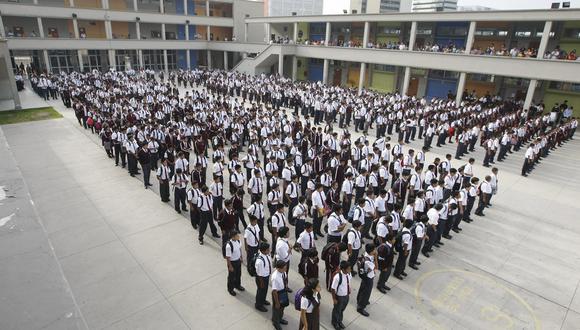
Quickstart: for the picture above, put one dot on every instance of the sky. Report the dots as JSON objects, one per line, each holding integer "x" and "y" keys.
{"x": 516, "y": 4}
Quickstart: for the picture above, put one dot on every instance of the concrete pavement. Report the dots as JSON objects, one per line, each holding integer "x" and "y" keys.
{"x": 90, "y": 248}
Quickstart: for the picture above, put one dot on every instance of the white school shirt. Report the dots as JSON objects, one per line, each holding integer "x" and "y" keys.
{"x": 277, "y": 280}
{"x": 234, "y": 250}
{"x": 345, "y": 285}
{"x": 252, "y": 235}
{"x": 263, "y": 265}
{"x": 353, "y": 237}
{"x": 306, "y": 240}
{"x": 282, "y": 249}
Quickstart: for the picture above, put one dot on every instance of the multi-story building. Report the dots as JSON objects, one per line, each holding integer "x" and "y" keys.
{"x": 527, "y": 55}
{"x": 434, "y": 5}
{"x": 66, "y": 35}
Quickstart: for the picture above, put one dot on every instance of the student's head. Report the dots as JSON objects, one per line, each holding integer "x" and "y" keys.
{"x": 257, "y": 173}
{"x": 301, "y": 199}
{"x": 370, "y": 248}
{"x": 488, "y": 178}
{"x": 312, "y": 286}
{"x": 281, "y": 265}
{"x": 345, "y": 266}
{"x": 337, "y": 209}
{"x": 424, "y": 218}
{"x": 438, "y": 206}
{"x": 434, "y": 182}
{"x": 312, "y": 253}
{"x": 494, "y": 170}
{"x": 308, "y": 227}
{"x": 280, "y": 208}
{"x": 264, "y": 247}
{"x": 342, "y": 247}
{"x": 361, "y": 202}
{"x": 228, "y": 204}
{"x": 234, "y": 235}
{"x": 383, "y": 193}
{"x": 356, "y": 224}
{"x": 178, "y": 171}
{"x": 471, "y": 160}
{"x": 283, "y": 232}
{"x": 391, "y": 238}
{"x": 409, "y": 222}
{"x": 253, "y": 220}
{"x": 398, "y": 207}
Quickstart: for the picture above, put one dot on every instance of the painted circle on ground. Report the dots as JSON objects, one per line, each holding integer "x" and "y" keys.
{"x": 455, "y": 298}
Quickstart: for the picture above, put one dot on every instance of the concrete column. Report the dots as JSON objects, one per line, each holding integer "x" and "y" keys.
{"x": 406, "y": 80}
{"x": 470, "y": 37}
{"x": 105, "y": 4}
{"x": 10, "y": 78}
{"x": 327, "y": 36}
{"x": 138, "y": 29}
{"x": 245, "y": 32}
{"x": 361, "y": 78}
{"x": 76, "y": 28}
{"x": 140, "y": 57}
{"x": 325, "y": 71}
{"x": 209, "y": 59}
{"x": 544, "y": 40}
{"x": 112, "y": 59}
{"x": 206, "y": 7}
{"x": 163, "y": 31}
{"x": 35, "y": 2}
{"x": 208, "y": 32}
{"x": 185, "y": 8}
{"x": 40, "y": 27}
{"x": 460, "y": 87}
{"x": 294, "y": 68}
{"x": 108, "y": 29}
{"x": 267, "y": 29}
{"x": 2, "y": 30}
{"x": 188, "y": 58}
{"x": 71, "y": 3}
{"x": 165, "y": 61}
{"x": 81, "y": 63}
{"x": 281, "y": 64}
{"x": 366, "y": 35}
{"x": 413, "y": 35}
{"x": 135, "y": 5}
{"x": 226, "y": 61}
{"x": 186, "y": 31}
{"x": 531, "y": 91}
{"x": 46, "y": 60}
{"x": 161, "y": 7}
{"x": 295, "y": 34}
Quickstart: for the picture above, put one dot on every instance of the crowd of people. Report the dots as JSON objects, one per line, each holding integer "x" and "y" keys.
{"x": 256, "y": 157}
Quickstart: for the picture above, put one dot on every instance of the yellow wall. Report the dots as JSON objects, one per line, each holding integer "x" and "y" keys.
{"x": 553, "y": 96}
{"x": 481, "y": 88}
{"x": 96, "y": 31}
{"x": 353, "y": 77}
{"x": 90, "y": 3}
{"x": 117, "y": 4}
{"x": 383, "y": 81}
{"x": 121, "y": 29}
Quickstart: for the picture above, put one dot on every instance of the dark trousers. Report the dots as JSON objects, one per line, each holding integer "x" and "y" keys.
{"x": 250, "y": 252}
{"x": 450, "y": 223}
{"x": 364, "y": 292}
{"x": 217, "y": 206}
{"x": 194, "y": 217}
{"x": 262, "y": 290}
{"x": 482, "y": 204}
{"x": 299, "y": 227}
{"x": 429, "y": 244}
{"x": 384, "y": 276}
{"x": 132, "y": 164}
{"x": 440, "y": 229}
{"x": 470, "y": 203}
{"x": 117, "y": 150}
{"x": 317, "y": 223}
{"x": 241, "y": 219}
{"x": 205, "y": 218}
{"x": 235, "y": 276}
{"x": 352, "y": 258}
{"x": 401, "y": 263}
{"x": 179, "y": 197}
{"x": 164, "y": 190}
{"x": 338, "y": 309}
{"x": 146, "y": 174}
{"x": 367, "y": 227}
{"x": 415, "y": 251}
{"x": 277, "y": 314}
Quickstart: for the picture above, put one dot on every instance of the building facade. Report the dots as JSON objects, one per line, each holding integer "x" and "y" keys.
{"x": 434, "y": 5}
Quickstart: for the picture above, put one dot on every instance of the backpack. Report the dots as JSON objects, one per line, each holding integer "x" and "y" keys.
{"x": 350, "y": 214}
{"x": 327, "y": 249}
{"x": 399, "y": 241}
{"x": 269, "y": 224}
{"x": 298, "y": 299}
{"x": 360, "y": 265}
{"x": 374, "y": 225}
{"x": 231, "y": 248}
{"x": 252, "y": 264}
{"x": 345, "y": 236}
{"x": 413, "y": 230}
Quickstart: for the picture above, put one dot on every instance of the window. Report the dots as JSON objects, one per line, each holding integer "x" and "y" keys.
{"x": 424, "y": 32}
{"x": 392, "y": 31}
{"x": 564, "y": 86}
{"x": 443, "y": 74}
{"x": 572, "y": 33}
{"x": 523, "y": 34}
{"x": 385, "y": 68}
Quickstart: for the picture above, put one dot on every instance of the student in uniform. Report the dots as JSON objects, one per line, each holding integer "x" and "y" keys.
{"x": 494, "y": 183}
{"x": 354, "y": 241}
{"x": 308, "y": 266}
{"x": 305, "y": 241}
{"x": 217, "y": 192}
{"x": 252, "y": 238}
{"x": 263, "y": 271}
{"x": 310, "y": 306}
{"x": 283, "y": 249}
{"x": 485, "y": 191}
{"x": 341, "y": 289}
{"x": 179, "y": 183}
{"x": 279, "y": 280}
{"x": 257, "y": 211}
{"x": 406, "y": 246}
{"x": 299, "y": 214}
{"x": 234, "y": 263}
{"x": 164, "y": 175}
{"x": 419, "y": 236}
{"x": 278, "y": 222}
{"x": 193, "y": 195}
{"x": 204, "y": 205}
{"x": 385, "y": 256}
{"x": 366, "y": 285}
{"x": 336, "y": 225}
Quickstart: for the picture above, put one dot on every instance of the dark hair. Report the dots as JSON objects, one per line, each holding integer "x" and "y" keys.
{"x": 308, "y": 291}
{"x": 344, "y": 264}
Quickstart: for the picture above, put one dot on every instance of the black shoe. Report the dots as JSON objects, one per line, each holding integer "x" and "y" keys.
{"x": 336, "y": 326}
{"x": 404, "y": 274}
{"x": 266, "y": 303}
{"x": 437, "y": 245}
{"x": 447, "y": 236}
{"x": 441, "y": 243}
{"x": 288, "y": 290}
{"x": 150, "y": 185}
{"x": 216, "y": 236}
{"x": 178, "y": 211}
{"x": 283, "y": 322}
{"x": 241, "y": 288}
{"x": 426, "y": 254}
{"x": 417, "y": 263}
{"x": 399, "y": 277}
{"x": 414, "y": 267}
{"x": 387, "y": 288}
{"x": 362, "y": 312}
{"x": 232, "y": 293}
{"x": 262, "y": 309}
{"x": 341, "y": 325}
{"x": 184, "y": 209}
{"x": 455, "y": 230}
{"x": 320, "y": 234}
{"x": 194, "y": 227}
{"x": 382, "y": 290}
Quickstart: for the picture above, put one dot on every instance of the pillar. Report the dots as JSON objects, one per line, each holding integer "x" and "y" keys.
{"x": 531, "y": 90}
{"x": 165, "y": 62}
{"x": 46, "y": 60}
{"x": 71, "y": 3}
{"x": 186, "y": 31}
{"x": 188, "y": 58}
{"x": 226, "y": 61}
{"x": 161, "y": 7}
{"x": 76, "y": 28}
{"x": 327, "y": 36}
{"x": 460, "y": 86}
{"x": 361, "y": 78}
{"x": 267, "y": 29}
{"x": 413, "y": 35}
{"x": 281, "y": 63}
{"x": 140, "y": 57}
{"x": 2, "y": 30}
{"x": 544, "y": 40}
{"x": 470, "y": 37}
{"x": 206, "y": 7}
{"x": 209, "y": 59}
{"x": 138, "y": 29}
{"x": 135, "y": 5}
{"x": 10, "y": 78}
{"x": 294, "y": 68}
{"x": 325, "y": 71}
{"x": 108, "y": 29}
{"x": 163, "y": 31}
{"x": 406, "y": 80}
{"x": 81, "y": 63}
{"x": 185, "y": 8}
{"x": 105, "y": 4}
{"x": 40, "y": 27}
{"x": 295, "y": 36}
{"x": 366, "y": 35}
{"x": 245, "y": 32}
{"x": 208, "y": 33}
{"x": 112, "y": 59}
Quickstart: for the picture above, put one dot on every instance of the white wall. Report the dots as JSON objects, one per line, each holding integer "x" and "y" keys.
{"x": 335, "y": 7}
